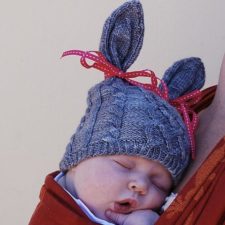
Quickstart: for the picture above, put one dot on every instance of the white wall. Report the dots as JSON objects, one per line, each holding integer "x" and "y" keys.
{"x": 42, "y": 97}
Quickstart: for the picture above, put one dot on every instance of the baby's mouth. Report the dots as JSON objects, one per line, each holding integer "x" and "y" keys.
{"x": 125, "y": 206}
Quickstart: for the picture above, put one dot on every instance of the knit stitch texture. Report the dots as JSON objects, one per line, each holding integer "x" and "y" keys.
{"x": 125, "y": 119}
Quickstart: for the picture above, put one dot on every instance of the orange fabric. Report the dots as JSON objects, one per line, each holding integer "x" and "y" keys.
{"x": 56, "y": 207}
{"x": 202, "y": 200}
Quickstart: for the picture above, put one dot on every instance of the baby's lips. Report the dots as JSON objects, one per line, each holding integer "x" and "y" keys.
{"x": 125, "y": 206}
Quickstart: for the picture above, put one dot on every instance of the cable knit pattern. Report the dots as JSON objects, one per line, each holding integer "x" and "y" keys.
{"x": 125, "y": 119}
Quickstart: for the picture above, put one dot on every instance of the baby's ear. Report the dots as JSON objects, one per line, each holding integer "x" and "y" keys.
{"x": 123, "y": 34}
{"x": 184, "y": 76}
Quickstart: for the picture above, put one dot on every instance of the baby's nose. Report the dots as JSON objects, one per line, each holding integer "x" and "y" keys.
{"x": 140, "y": 185}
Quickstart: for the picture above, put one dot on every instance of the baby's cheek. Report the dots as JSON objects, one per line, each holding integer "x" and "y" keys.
{"x": 97, "y": 185}
{"x": 110, "y": 185}
{"x": 156, "y": 198}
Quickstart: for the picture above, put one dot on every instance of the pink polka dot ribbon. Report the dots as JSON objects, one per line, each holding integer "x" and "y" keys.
{"x": 183, "y": 104}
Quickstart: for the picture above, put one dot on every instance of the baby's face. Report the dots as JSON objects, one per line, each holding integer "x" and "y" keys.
{"x": 120, "y": 183}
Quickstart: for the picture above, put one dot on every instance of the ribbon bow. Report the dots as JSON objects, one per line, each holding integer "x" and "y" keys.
{"x": 183, "y": 104}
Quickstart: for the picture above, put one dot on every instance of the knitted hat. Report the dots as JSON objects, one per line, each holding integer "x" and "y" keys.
{"x": 124, "y": 119}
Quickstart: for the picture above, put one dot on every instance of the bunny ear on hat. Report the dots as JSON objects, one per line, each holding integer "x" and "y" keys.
{"x": 184, "y": 76}
{"x": 122, "y": 35}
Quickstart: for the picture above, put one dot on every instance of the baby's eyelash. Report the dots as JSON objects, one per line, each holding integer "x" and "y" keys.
{"x": 122, "y": 164}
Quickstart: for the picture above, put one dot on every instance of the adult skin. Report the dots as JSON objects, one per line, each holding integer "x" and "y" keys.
{"x": 211, "y": 128}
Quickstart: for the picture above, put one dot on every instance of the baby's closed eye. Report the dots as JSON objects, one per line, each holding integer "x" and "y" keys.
{"x": 123, "y": 164}
{"x": 156, "y": 181}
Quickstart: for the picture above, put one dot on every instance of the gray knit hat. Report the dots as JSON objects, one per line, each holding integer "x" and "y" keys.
{"x": 125, "y": 119}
